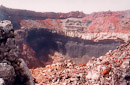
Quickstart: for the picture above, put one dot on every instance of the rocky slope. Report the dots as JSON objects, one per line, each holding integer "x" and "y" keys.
{"x": 110, "y": 69}
{"x": 53, "y": 38}
{"x": 75, "y": 35}
{"x": 13, "y": 70}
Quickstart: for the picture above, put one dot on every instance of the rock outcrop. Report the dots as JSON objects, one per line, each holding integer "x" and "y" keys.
{"x": 13, "y": 70}
{"x": 110, "y": 69}
{"x": 74, "y": 26}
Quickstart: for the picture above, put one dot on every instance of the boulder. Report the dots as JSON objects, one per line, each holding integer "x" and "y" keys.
{"x": 13, "y": 70}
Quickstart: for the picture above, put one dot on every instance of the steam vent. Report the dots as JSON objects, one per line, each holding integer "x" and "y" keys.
{"x": 13, "y": 70}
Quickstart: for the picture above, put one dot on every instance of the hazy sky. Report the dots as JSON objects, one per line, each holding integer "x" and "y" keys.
{"x": 86, "y": 6}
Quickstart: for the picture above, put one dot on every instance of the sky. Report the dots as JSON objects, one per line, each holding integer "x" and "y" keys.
{"x": 87, "y": 6}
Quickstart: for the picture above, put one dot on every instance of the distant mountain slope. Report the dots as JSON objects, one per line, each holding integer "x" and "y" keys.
{"x": 16, "y": 15}
{"x": 95, "y": 22}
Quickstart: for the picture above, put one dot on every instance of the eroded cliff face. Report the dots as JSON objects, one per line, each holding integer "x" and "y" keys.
{"x": 76, "y": 35}
{"x": 40, "y": 45}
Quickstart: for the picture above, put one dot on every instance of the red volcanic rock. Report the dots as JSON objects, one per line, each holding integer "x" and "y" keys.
{"x": 47, "y": 23}
{"x": 73, "y": 24}
{"x": 105, "y": 24}
{"x": 109, "y": 22}
{"x": 16, "y": 15}
{"x": 97, "y": 22}
{"x": 102, "y": 70}
{"x": 82, "y": 64}
{"x": 28, "y": 54}
{"x": 24, "y": 14}
{"x": 112, "y": 25}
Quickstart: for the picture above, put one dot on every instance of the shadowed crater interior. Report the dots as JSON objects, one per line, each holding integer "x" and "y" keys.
{"x": 45, "y": 43}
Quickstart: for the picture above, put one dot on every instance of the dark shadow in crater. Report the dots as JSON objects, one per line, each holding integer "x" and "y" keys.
{"x": 45, "y": 43}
